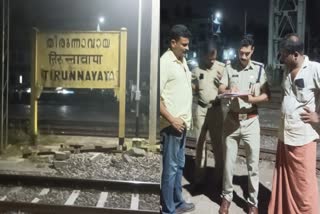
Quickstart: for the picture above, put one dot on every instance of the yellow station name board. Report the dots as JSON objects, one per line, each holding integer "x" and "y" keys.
{"x": 78, "y": 59}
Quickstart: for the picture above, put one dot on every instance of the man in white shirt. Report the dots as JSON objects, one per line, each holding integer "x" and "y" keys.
{"x": 175, "y": 119}
{"x": 295, "y": 187}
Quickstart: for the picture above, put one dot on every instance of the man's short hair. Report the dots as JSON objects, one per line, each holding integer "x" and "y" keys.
{"x": 292, "y": 43}
{"x": 208, "y": 50}
{"x": 247, "y": 40}
{"x": 210, "y": 47}
{"x": 178, "y": 31}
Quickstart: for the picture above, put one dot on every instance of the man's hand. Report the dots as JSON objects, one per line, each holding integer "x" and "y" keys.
{"x": 309, "y": 117}
{"x": 178, "y": 124}
{"x": 233, "y": 89}
{"x": 247, "y": 99}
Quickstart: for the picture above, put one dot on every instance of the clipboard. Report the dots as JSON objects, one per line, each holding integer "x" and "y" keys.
{"x": 235, "y": 94}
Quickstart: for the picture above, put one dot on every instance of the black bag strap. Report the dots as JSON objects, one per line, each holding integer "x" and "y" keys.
{"x": 259, "y": 75}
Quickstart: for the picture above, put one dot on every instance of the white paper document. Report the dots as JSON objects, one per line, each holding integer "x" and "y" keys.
{"x": 234, "y": 94}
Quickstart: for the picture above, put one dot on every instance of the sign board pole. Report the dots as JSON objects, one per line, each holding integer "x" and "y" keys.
{"x": 79, "y": 60}
{"x": 122, "y": 85}
{"x": 34, "y": 101}
{"x": 154, "y": 65}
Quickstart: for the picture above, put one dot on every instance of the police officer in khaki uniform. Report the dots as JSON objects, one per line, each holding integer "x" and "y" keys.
{"x": 208, "y": 112}
{"x": 243, "y": 76}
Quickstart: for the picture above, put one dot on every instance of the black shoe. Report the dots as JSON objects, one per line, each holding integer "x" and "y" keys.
{"x": 186, "y": 207}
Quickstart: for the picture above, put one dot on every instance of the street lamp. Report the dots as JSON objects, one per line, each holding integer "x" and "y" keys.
{"x": 217, "y": 18}
{"x": 216, "y": 22}
{"x": 218, "y": 15}
{"x": 20, "y": 79}
{"x": 100, "y": 21}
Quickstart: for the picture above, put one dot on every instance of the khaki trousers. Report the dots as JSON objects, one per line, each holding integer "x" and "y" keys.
{"x": 248, "y": 131}
{"x": 208, "y": 121}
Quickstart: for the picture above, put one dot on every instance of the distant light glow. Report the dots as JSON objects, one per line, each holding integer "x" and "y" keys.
{"x": 64, "y": 109}
{"x": 64, "y": 91}
{"x": 101, "y": 19}
{"x": 194, "y": 54}
{"x": 218, "y": 15}
{"x": 20, "y": 79}
{"x": 229, "y": 54}
{"x": 192, "y": 63}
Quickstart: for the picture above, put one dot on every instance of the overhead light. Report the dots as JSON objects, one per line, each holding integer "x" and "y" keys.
{"x": 101, "y": 19}
{"x": 218, "y": 15}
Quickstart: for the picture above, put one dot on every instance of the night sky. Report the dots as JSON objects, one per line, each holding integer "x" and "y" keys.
{"x": 82, "y": 15}
{"x": 233, "y": 18}
{"x": 232, "y": 10}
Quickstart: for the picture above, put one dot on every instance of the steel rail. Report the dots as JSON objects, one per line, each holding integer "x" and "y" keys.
{"x": 98, "y": 184}
{"x": 265, "y": 154}
{"x": 73, "y": 183}
{"x": 38, "y": 208}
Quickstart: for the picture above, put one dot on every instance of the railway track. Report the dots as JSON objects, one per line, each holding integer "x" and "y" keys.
{"x": 62, "y": 128}
{"x": 101, "y": 129}
{"x": 269, "y": 131}
{"x": 102, "y": 132}
{"x": 79, "y": 128}
{"x": 265, "y": 154}
{"x": 43, "y": 195}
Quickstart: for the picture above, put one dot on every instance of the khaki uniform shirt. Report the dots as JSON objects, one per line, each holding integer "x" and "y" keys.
{"x": 204, "y": 80}
{"x": 243, "y": 79}
{"x": 298, "y": 94}
{"x": 175, "y": 88}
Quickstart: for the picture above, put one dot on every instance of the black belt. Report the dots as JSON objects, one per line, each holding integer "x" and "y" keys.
{"x": 210, "y": 104}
